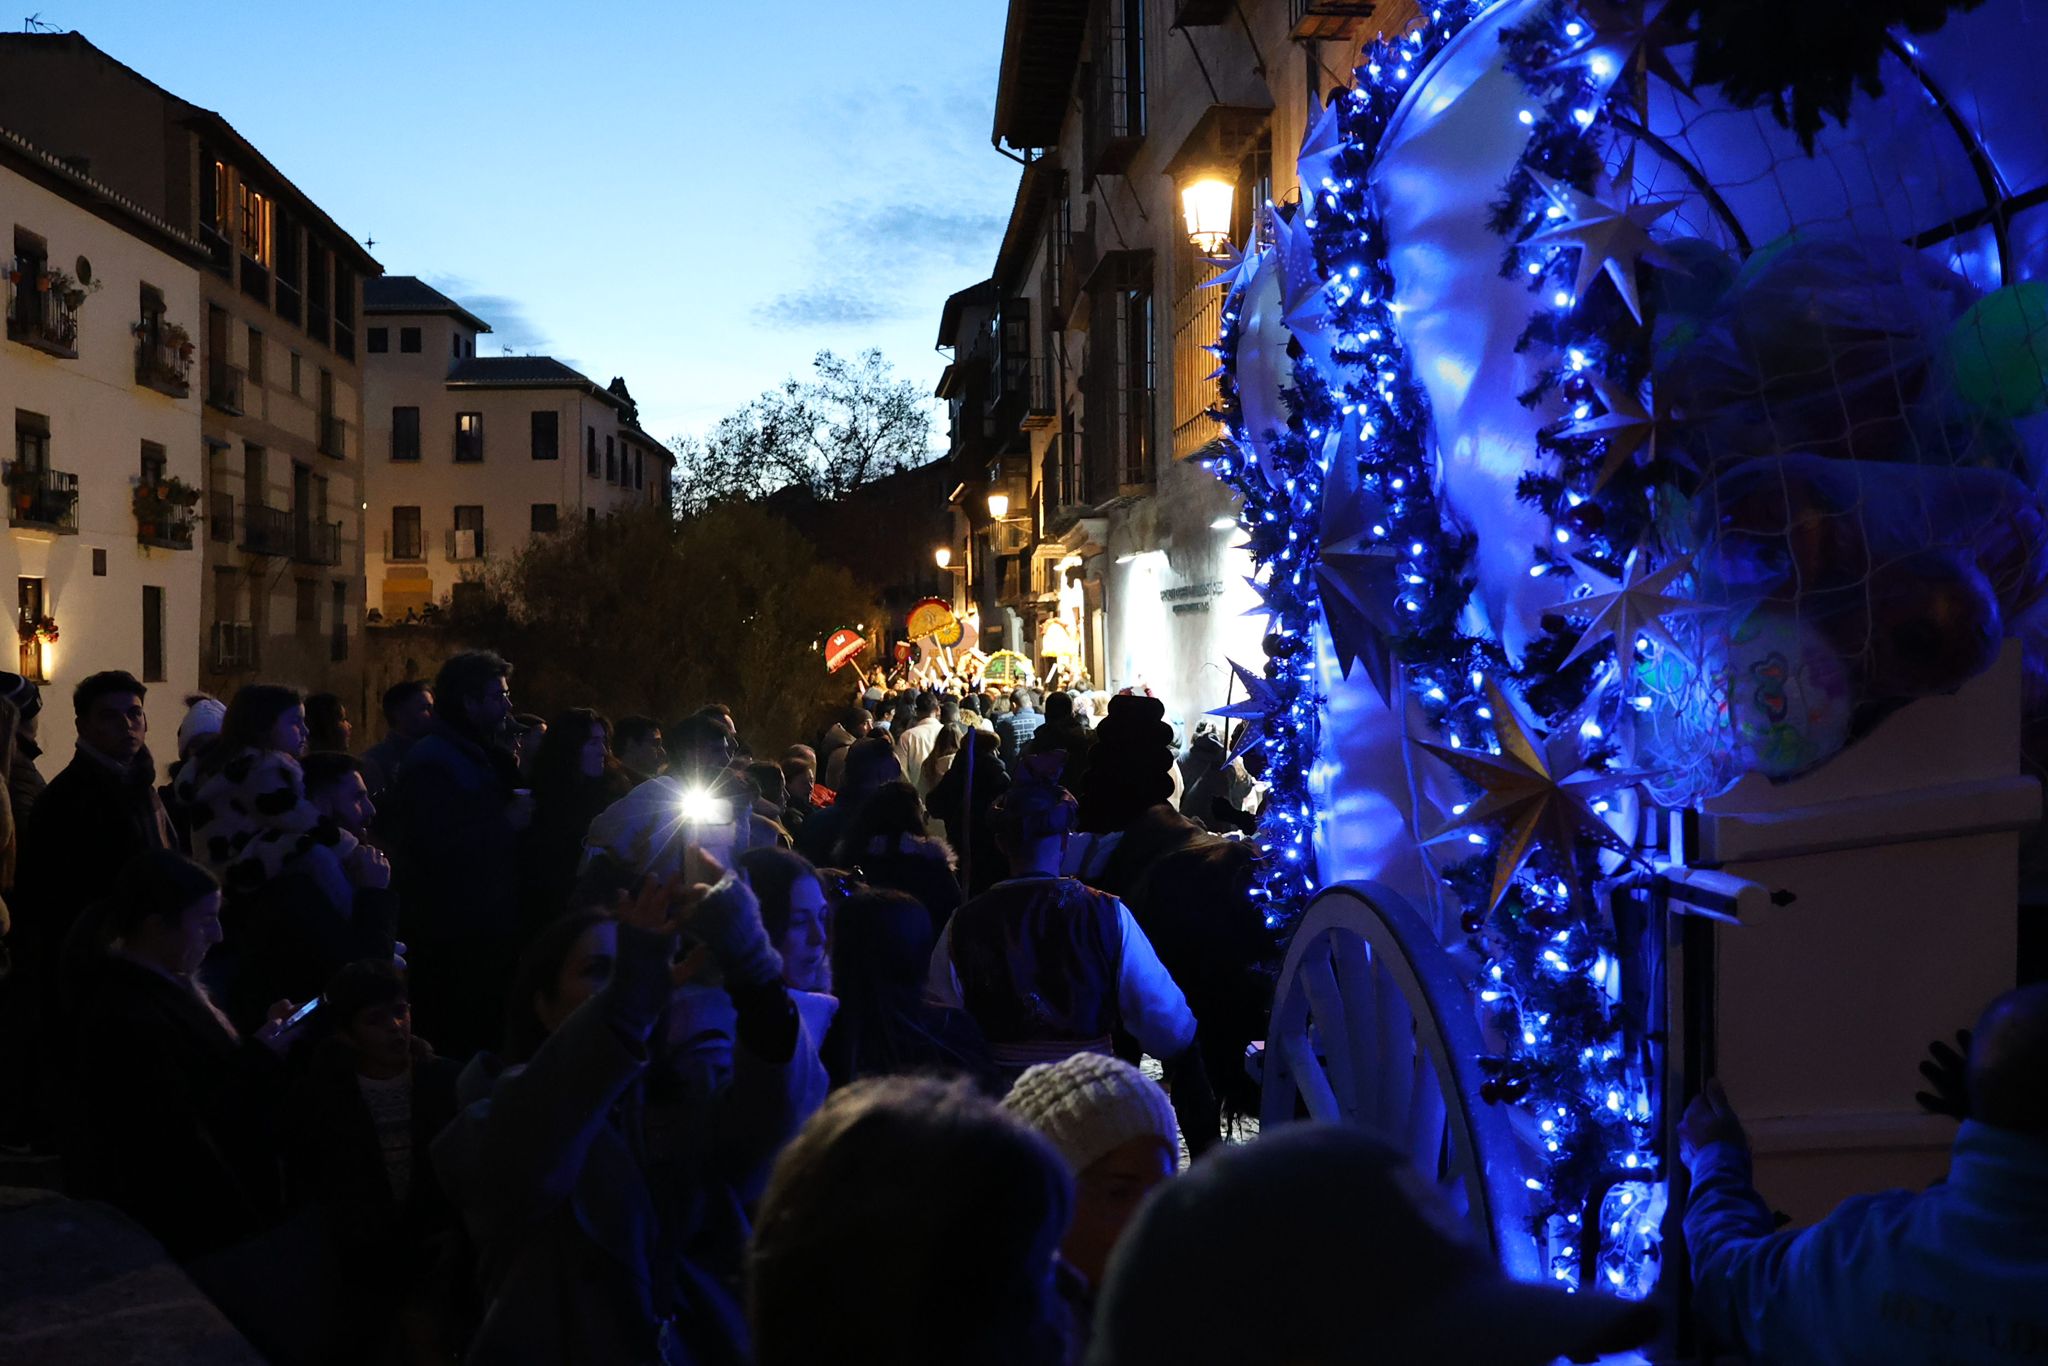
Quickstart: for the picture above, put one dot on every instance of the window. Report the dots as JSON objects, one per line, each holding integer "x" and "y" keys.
{"x": 455, "y": 345}
{"x": 547, "y": 427}
{"x": 409, "y": 340}
{"x": 639, "y": 469}
{"x": 31, "y": 441}
{"x": 152, "y": 634}
{"x": 227, "y": 591}
{"x": 405, "y": 433}
{"x": 308, "y": 602}
{"x": 611, "y": 464}
{"x": 378, "y": 340}
{"x": 469, "y": 437}
{"x": 255, "y": 358}
{"x": 213, "y": 198}
{"x": 337, "y": 649}
{"x": 255, "y": 477}
{"x": 29, "y": 594}
{"x": 256, "y": 226}
{"x": 405, "y": 535}
{"x": 546, "y": 517}
{"x": 466, "y": 541}
{"x": 590, "y": 518}
{"x": 590, "y": 450}
{"x": 99, "y": 562}
{"x": 152, "y": 463}
{"x": 296, "y": 358}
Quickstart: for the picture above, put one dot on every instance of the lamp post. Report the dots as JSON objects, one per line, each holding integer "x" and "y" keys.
{"x": 999, "y": 507}
{"x": 943, "y": 557}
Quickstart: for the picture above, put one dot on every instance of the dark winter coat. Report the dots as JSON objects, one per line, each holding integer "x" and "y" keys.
{"x": 921, "y": 867}
{"x": 89, "y": 823}
{"x": 171, "y": 1113}
{"x": 459, "y": 856}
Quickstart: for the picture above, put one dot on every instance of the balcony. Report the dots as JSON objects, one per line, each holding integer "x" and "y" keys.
{"x": 163, "y": 357}
{"x": 266, "y": 530}
{"x": 42, "y": 499}
{"x": 42, "y": 308}
{"x": 466, "y": 543}
{"x": 1328, "y": 20}
{"x": 317, "y": 543}
{"x": 255, "y": 279}
{"x": 290, "y": 303}
{"x": 333, "y": 436}
{"x": 234, "y": 646}
{"x": 224, "y": 386}
{"x": 164, "y": 514}
{"x": 407, "y": 546}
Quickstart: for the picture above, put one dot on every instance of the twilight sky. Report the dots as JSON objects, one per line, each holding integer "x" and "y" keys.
{"x": 695, "y": 196}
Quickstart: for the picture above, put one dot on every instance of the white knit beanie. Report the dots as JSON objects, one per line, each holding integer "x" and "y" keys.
{"x": 1090, "y": 1104}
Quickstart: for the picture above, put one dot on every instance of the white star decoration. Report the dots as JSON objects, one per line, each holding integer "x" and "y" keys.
{"x": 1357, "y": 571}
{"x": 1620, "y": 38}
{"x": 1627, "y": 426}
{"x": 1609, "y": 233}
{"x": 1636, "y": 606}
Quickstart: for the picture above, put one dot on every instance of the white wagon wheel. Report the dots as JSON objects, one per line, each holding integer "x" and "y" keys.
{"x": 1372, "y": 1026}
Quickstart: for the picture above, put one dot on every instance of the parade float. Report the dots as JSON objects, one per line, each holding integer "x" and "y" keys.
{"x": 1638, "y": 421}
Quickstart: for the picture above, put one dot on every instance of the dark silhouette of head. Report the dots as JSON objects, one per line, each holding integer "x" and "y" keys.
{"x": 2008, "y": 1075}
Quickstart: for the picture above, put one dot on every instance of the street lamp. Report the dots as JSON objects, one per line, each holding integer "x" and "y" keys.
{"x": 1206, "y": 203}
{"x": 999, "y": 506}
{"x": 943, "y": 557}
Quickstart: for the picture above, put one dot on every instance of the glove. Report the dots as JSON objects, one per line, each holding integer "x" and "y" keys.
{"x": 727, "y": 921}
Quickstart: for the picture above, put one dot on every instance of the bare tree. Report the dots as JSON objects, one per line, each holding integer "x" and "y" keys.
{"x": 851, "y": 423}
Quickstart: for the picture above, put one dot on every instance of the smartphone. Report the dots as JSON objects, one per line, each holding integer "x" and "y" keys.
{"x": 299, "y": 1016}
{"x": 710, "y": 825}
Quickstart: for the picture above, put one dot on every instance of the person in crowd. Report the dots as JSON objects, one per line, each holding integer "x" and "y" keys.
{"x": 881, "y": 956}
{"x": 327, "y": 724}
{"x": 700, "y": 750}
{"x": 20, "y": 702}
{"x": 251, "y": 822}
{"x": 1955, "y": 1273}
{"x": 528, "y": 730}
{"x": 944, "y": 751}
{"x": 204, "y": 716}
{"x": 914, "y": 742}
{"x": 1062, "y": 732}
{"x": 853, "y": 724}
{"x": 799, "y": 782}
{"x": 1127, "y": 816}
{"x": 293, "y": 938}
{"x": 910, "y": 1220}
{"x": 171, "y": 1119}
{"x": 92, "y": 819}
{"x": 356, "y": 1133}
{"x": 461, "y": 813}
{"x": 1019, "y": 726}
{"x": 1214, "y": 787}
{"x": 575, "y": 777}
{"x": 887, "y": 839}
{"x": 1195, "y": 904}
{"x": 408, "y": 715}
{"x": 1289, "y": 1209}
{"x": 1049, "y": 967}
{"x": 793, "y": 907}
{"x": 637, "y": 741}
{"x": 962, "y": 802}
{"x": 870, "y": 764}
{"x": 602, "y": 1195}
{"x": 1114, "y": 1128}
{"x": 24, "y": 780}
{"x": 767, "y": 780}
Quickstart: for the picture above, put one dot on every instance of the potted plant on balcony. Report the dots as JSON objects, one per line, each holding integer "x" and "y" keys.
{"x": 38, "y": 630}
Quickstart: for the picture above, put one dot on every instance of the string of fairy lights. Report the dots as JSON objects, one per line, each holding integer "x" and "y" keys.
{"x": 1525, "y": 846}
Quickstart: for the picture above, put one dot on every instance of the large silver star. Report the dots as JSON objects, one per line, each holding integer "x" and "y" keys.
{"x": 1626, "y": 425}
{"x": 1321, "y": 145}
{"x": 1358, "y": 569}
{"x": 1624, "y": 38}
{"x": 1634, "y": 607}
{"x": 1610, "y": 233}
{"x": 1261, "y": 700}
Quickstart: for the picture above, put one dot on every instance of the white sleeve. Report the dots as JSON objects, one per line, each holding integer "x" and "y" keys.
{"x": 1153, "y": 1008}
{"x": 943, "y": 983}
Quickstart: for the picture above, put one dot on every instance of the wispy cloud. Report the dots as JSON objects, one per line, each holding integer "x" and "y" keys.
{"x": 513, "y": 330}
{"x": 828, "y": 305}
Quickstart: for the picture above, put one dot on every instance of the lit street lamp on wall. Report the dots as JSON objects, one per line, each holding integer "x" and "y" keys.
{"x": 999, "y": 506}
{"x": 1206, "y": 203}
{"x": 943, "y": 557}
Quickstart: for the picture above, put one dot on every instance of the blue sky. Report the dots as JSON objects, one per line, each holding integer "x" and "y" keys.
{"x": 695, "y": 196}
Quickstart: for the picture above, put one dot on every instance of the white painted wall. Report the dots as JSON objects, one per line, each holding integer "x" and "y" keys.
{"x": 98, "y": 418}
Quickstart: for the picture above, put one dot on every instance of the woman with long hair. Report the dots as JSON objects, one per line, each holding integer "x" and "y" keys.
{"x": 327, "y": 725}
{"x": 246, "y": 798}
{"x": 795, "y": 910}
{"x": 890, "y": 843}
{"x": 881, "y": 955}
{"x": 575, "y": 778}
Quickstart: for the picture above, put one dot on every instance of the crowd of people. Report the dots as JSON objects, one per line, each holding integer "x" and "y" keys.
{"x": 523, "y": 1039}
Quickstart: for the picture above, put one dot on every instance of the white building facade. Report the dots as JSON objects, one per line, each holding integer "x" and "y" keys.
{"x": 99, "y": 391}
{"x": 469, "y": 457}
